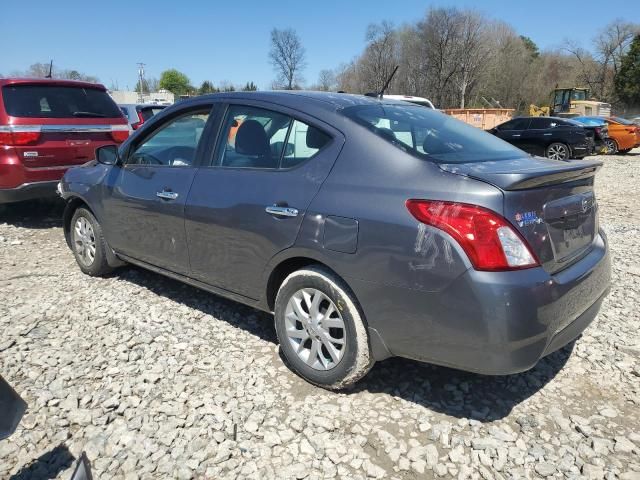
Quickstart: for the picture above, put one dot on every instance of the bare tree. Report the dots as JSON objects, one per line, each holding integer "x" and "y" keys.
{"x": 287, "y": 56}
{"x": 380, "y": 56}
{"x": 326, "y": 80}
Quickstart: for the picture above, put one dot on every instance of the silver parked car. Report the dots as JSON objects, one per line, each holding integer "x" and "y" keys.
{"x": 369, "y": 227}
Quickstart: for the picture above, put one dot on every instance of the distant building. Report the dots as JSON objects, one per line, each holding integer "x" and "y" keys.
{"x": 161, "y": 97}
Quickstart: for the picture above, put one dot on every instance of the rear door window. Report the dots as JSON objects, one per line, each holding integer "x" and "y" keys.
{"x": 260, "y": 138}
{"x": 54, "y": 101}
{"x": 540, "y": 123}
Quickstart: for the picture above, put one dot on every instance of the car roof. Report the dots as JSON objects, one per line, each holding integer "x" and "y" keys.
{"x": 326, "y": 100}
{"x": 149, "y": 105}
{"x": 49, "y": 81}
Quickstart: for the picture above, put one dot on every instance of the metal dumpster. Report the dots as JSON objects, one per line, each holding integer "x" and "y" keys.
{"x": 484, "y": 118}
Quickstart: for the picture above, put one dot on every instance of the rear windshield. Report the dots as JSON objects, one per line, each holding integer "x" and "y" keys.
{"x": 148, "y": 112}
{"x": 52, "y": 101}
{"x": 432, "y": 135}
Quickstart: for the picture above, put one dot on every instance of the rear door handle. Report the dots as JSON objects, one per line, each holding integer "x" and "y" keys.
{"x": 281, "y": 211}
{"x": 165, "y": 195}
{"x": 516, "y": 135}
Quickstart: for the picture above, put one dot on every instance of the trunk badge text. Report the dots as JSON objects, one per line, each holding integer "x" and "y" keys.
{"x": 527, "y": 218}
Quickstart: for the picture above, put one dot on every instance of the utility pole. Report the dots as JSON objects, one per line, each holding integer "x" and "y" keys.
{"x": 140, "y": 81}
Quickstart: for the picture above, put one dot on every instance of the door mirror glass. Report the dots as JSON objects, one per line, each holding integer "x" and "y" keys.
{"x": 108, "y": 155}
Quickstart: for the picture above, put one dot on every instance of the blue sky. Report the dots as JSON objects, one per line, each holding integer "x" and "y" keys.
{"x": 230, "y": 40}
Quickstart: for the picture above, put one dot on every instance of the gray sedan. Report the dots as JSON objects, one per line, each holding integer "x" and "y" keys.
{"x": 369, "y": 227}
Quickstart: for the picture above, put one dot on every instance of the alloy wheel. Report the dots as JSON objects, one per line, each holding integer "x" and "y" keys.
{"x": 315, "y": 329}
{"x": 612, "y": 146}
{"x": 84, "y": 241}
{"x": 558, "y": 152}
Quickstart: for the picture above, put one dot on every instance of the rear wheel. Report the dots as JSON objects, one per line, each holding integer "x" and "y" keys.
{"x": 88, "y": 244}
{"x": 321, "y": 330}
{"x": 612, "y": 146}
{"x": 558, "y": 151}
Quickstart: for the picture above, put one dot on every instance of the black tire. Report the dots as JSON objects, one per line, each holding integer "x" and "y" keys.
{"x": 558, "y": 151}
{"x": 356, "y": 359}
{"x": 96, "y": 266}
{"x": 612, "y": 146}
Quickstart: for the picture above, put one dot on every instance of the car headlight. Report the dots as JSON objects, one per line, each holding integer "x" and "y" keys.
{"x": 59, "y": 189}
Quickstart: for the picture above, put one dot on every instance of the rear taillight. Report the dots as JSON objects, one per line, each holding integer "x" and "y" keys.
{"x": 139, "y": 123}
{"x": 488, "y": 239}
{"x": 17, "y": 136}
{"x": 119, "y": 133}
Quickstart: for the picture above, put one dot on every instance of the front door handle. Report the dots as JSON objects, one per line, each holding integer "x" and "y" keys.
{"x": 515, "y": 135}
{"x": 165, "y": 195}
{"x": 281, "y": 211}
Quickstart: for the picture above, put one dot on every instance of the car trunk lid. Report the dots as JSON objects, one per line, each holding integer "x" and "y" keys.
{"x": 552, "y": 204}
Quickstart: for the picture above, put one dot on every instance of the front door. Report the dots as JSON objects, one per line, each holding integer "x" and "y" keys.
{"x": 145, "y": 205}
{"x": 249, "y": 204}
{"x": 513, "y": 131}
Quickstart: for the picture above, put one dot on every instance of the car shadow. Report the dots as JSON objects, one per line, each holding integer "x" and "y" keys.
{"x": 34, "y": 214}
{"x": 461, "y": 394}
{"x": 453, "y": 392}
{"x": 46, "y": 466}
{"x": 237, "y": 314}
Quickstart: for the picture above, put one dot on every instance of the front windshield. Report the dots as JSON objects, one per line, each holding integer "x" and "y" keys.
{"x": 432, "y": 135}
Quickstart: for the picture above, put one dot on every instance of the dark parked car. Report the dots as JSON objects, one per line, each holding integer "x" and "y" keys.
{"x": 370, "y": 228}
{"x": 551, "y": 137}
{"x": 47, "y": 126}
{"x": 138, "y": 113}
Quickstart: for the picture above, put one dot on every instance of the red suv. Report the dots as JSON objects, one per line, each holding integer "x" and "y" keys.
{"x": 48, "y": 126}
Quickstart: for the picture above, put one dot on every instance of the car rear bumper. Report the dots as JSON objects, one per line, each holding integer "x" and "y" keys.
{"x": 28, "y": 191}
{"x": 493, "y": 323}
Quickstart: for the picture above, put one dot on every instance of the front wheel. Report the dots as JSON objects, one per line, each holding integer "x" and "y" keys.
{"x": 321, "y": 330}
{"x": 88, "y": 244}
{"x": 558, "y": 151}
{"x": 612, "y": 146}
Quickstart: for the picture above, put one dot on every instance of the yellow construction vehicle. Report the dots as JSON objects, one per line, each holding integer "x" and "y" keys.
{"x": 571, "y": 102}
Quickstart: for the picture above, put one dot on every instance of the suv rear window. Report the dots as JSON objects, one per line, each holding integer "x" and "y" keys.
{"x": 53, "y": 101}
{"x": 429, "y": 134}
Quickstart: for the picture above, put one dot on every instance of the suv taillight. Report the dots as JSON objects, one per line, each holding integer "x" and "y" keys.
{"x": 16, "y": 136}
{"x": 488, "y": 239}
{"x": 119, "y": 133}
{"x": 139, "y": 123}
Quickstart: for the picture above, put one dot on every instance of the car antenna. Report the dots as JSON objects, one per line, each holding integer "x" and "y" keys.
{"x": 50, "y": 70}
{"x": 381, "y": 93}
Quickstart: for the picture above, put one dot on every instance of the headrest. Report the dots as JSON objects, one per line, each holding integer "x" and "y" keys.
{"x": 251, "y": 139}
{"x": 316, "y": 138}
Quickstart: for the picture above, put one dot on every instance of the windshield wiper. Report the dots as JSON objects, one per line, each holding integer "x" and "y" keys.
{"x": 88, "y": 114}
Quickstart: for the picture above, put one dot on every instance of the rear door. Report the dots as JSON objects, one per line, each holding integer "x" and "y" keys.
{"x": 248, "y": 205}
{"x": 144, "y": 204}
{"x": 71, "y": 122}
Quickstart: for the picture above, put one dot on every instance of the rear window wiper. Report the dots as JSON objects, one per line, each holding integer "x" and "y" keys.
{"x": 88, "y": 114}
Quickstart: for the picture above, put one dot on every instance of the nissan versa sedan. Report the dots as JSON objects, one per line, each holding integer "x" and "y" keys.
{"x": 370, "y": 228}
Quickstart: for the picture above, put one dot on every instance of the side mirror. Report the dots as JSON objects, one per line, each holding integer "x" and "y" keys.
{"x": 108, "y": 155}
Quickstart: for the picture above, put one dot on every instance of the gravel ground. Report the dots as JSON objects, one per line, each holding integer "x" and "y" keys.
{"x": 155, "y": 379}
